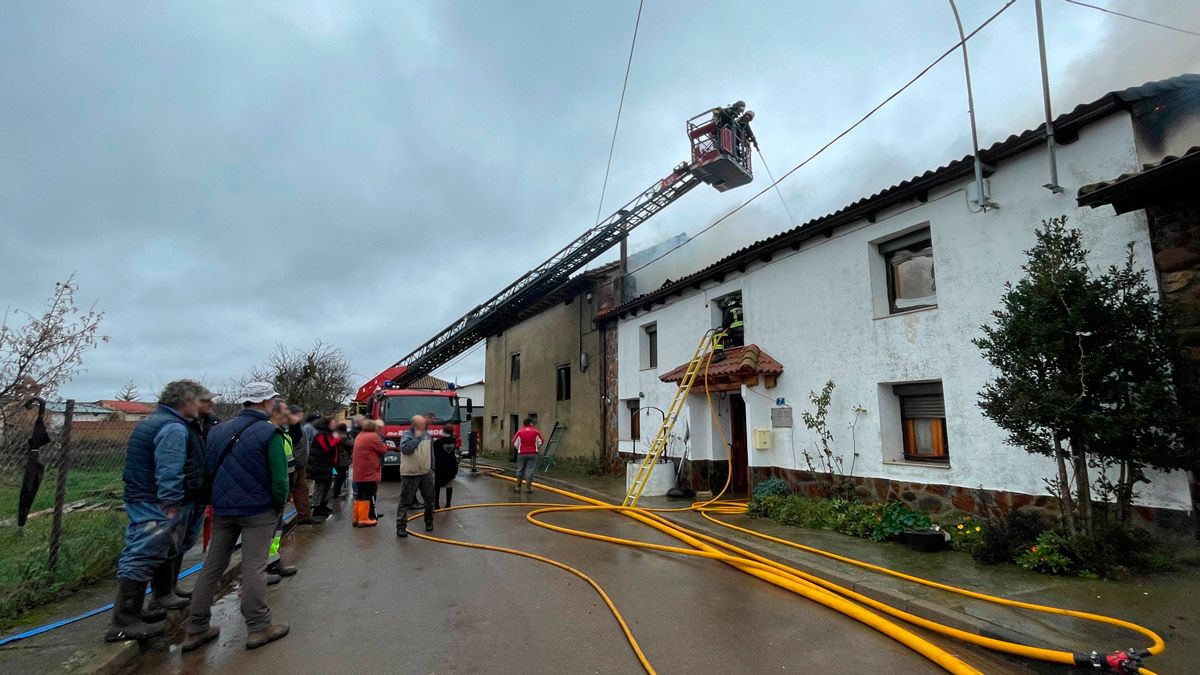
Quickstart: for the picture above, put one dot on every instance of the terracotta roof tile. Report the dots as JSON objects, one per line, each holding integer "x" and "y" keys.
{"x": 748, "y": 360}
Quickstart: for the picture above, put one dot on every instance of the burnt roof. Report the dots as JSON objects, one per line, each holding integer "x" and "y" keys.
{"x": 1131, "y": 191}
{"x": 1066, "y": 130}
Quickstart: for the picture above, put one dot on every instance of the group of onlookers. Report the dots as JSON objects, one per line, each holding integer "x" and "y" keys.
{"x": 182, "y": 461}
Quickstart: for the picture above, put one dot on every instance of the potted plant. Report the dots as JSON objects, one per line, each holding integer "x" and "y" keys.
{"x": 927, "y": 539}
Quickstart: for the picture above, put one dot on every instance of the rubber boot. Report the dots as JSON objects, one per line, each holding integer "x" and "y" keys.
{"x": 175, "y": 575}
{"x": 162, "y": 598}
{"x": 449, "y": 496}
{"x": 127, "y": 623}
{"x": 362, "y": 514}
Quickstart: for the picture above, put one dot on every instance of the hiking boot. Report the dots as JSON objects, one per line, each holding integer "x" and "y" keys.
{"x": 127, "y": 622}
{"x": 192, "y": 641}
{"x": 267, "y": 635}
{"x": 273, "y": 579}
{"x": 282, "y": 570}
{"x": 401, "y": 531}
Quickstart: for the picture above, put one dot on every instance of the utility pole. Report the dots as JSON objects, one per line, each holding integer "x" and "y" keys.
{"x": 981, "y": 195}
{"x": 1053, "y": 185}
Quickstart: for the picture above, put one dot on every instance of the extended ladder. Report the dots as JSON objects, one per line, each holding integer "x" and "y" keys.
{"x": 695, "y": 368}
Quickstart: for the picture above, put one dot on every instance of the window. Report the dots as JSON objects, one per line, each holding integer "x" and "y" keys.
{"x": 562, "y": 383}
{"x": 923, "y": 422}
{"x": 649, "y": 345}
{"x": 495, "y": 419}
{"x": 514, "y": 367}
{"x": 635, "y": 423}
{"x": 908, "y": 263}
{"x": 727, "y": 314}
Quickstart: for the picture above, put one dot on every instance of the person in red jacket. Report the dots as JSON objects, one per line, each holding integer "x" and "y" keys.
{"x": 367, "y": 468}
{"x": 528, "y": 442}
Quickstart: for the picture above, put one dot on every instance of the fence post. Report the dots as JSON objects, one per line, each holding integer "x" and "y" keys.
{"x": 60, "y": 486}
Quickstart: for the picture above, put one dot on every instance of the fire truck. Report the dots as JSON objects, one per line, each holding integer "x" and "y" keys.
{"x": 383, "y": 398}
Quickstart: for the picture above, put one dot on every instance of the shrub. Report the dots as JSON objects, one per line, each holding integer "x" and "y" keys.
{"x": 772, "y": 487}
{"x": 765, "y": 507}
{"x": 857, "y": 519}
{"x": 896, "y": 518}
{"x": 812, "y": 513}
{"x": 1050, "y": 554}
{"x": 966, "y": 532}
{"x": 1005, "y": 539}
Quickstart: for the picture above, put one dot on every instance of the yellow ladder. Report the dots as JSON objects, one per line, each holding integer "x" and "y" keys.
{"x": 696, "y": 367}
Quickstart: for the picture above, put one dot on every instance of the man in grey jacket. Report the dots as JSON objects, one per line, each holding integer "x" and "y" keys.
{"x": 416, "y": 473}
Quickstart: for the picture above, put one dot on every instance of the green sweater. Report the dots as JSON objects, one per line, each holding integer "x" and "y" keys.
{"x": 277, "y": 461}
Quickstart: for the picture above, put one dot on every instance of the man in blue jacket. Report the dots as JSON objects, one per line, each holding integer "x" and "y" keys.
{"x": 161, "y": 486}
{"x": 247, "y": 460}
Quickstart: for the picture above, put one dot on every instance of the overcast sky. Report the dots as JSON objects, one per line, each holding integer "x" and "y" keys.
{"x": 224, "y": 176}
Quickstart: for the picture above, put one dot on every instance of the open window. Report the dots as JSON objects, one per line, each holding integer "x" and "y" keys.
{"x": 727, "y": 315}
{"x": 909, "y": 270}
{"x": 923, "y": 422}
{"x": 514, "y": 367}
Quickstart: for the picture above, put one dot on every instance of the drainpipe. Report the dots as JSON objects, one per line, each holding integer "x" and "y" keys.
{"x": 1053, "y": 185}
{"x": 981, "y": 196}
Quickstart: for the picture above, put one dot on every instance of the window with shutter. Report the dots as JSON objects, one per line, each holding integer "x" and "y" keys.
{"x": 923, "y": 417}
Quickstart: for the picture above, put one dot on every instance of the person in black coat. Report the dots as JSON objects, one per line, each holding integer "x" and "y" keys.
{"x": 322, "y": 457}
{"x": 445, "y": 464}
{"x": 344, "y": 459}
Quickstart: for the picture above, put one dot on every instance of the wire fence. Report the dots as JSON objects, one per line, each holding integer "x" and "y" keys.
{"x": 74, "y": 515}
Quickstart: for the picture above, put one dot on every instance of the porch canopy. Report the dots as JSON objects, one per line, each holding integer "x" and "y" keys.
{"x": 742, "y": 365}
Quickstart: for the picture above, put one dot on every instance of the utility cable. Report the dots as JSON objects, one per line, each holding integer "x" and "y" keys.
{"x": 791, "y": 218}
{"x": 1134, "y": 18}
{"x": 620, "y": 106}
{"x": 835, "y": 139}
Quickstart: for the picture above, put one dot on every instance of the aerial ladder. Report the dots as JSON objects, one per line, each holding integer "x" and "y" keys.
{"x": 697, "y": 369}
{"x": 721, "y": 142}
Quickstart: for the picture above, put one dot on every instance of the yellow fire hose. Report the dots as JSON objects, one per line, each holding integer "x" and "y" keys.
{"x": 825, "y": 592}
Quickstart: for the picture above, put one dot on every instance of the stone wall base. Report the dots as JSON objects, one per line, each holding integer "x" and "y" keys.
{"x": 931, "y": 498}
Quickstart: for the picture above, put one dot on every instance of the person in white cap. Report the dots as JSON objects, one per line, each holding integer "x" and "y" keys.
{"x": 247, "y": 465}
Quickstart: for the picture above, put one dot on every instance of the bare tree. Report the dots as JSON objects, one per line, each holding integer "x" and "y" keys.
{"x": 317, "y": 378}
{"x": 41, "y": 352}
{"x": 129, "y": 392}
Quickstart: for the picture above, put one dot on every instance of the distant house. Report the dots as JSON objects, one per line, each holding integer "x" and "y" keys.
{"x": 127, "y": 411}
{"x": 84, "y": 412}
{"x": 475, "y": 392}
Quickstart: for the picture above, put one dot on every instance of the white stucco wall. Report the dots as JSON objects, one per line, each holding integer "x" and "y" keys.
{"x": 816, "y": 312}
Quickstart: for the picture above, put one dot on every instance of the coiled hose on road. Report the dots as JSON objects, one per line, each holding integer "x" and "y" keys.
{"x": 823, "y": 591}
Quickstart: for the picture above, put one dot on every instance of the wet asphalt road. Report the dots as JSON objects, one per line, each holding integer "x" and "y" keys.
{"x": 365, "y": 601}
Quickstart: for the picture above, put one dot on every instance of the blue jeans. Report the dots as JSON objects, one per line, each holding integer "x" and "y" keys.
{"x": 192, "y": 528}
{"x": 150, "y": 538}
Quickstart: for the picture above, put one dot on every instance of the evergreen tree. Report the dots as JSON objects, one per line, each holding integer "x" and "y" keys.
{"x": 1084, "y": 368}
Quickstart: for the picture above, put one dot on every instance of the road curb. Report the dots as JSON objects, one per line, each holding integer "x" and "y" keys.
{"x": 115, "y": 657}
{"x": 896, "y": 598}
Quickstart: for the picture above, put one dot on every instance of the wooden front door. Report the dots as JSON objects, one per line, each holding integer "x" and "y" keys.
{"x": 739, "y": 482}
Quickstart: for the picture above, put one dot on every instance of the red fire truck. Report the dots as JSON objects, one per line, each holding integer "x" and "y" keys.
{"x": 380, "y": 398}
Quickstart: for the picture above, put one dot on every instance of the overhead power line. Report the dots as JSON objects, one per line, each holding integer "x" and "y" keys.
{"x": 835, "y": 139}
{"x": 1134, "y": 18}
{"x": 620, "y": 106}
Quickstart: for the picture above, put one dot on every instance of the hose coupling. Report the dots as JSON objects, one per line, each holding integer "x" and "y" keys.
{"x": 1121, "y": 661}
